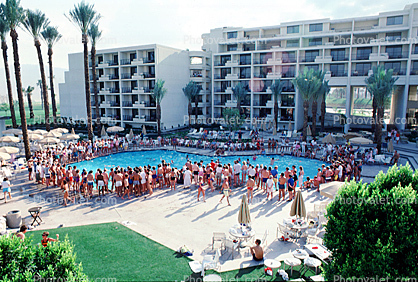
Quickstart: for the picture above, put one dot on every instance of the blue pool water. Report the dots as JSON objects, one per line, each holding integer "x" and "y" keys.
{"x": 154, "y": 158}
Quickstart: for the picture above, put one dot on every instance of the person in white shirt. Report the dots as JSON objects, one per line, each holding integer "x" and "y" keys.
{"x": 187, "y": 177}
{"x": 251, "y": 172}
{"x": 6, "y": 189}
{"x": 270, "y": 185}
{"x": 237, "y": 170}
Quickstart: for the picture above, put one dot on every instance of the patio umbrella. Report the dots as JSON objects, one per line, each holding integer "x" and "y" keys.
{"x": 33, "y": 136}
{"x": 9, "y": 150}
{"x": 40, "y": 131}
{"x": 330, "y": 189}
{"x": 361, "y": 141}
{"x": 298, "y": 206}
{"x": 9, "y": 139}
{"x": 328, "y": 139}
{"x": 352, "y": 135}
{"x": 131, "y": 135}
{"x": 72, "y": 137}
{"x": 114, "y": 129}
{"x": 60, "y": 130}
{"x": 103, "y": 133}
{"x": 244, "y": 211}
{"x": 36, "y": 147}
{"x": 309, "y": 131}
{"x": 290, "y": 127}
{"x": 14, "y": 131}
{"x": 72, "y": 131}
{"x": 53, "y": 134}
{"x": 49, "y": 140}
{"x": 390, "y": 146}
{"x": 144, "y": 130}
{"x": 5, "y": 157}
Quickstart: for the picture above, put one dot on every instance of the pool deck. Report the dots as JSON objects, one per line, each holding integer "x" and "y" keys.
{"x": 172, "y": 218}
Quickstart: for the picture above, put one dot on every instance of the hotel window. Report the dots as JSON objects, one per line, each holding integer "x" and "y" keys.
{"x": 362, "y": 69}
{"x": 337, "y": 70}
{"x": 393, "y": 36}
{"x": 311, "y": 55}
{"x": 396, "y": 66}
{"x": 416, "y": 49}
{"x": 315, "y": 41}
{"x": 315, "y": 27}
{"x": 338, "y": 55}
{"x": 289, "y": 57}
{"x": 413, "y": 96}
{"x": 232, "y": 47}
{"x": 293, "y": 29}
{"x": 394, "y": 52}
{"x": 292, "y": 43}
{"x": 394, "y": 20}
{"x": 363, "y": 53}
{"x": 313, "y": 67}
{"x": 415, "y": 65}
{"x": 231, "y": 35}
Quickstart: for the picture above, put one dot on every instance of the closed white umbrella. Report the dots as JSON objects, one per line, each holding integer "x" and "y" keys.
{"x": 9, "y": 150}
{"x": 144, "y": 130}
{"x": 390, "y": 146}
{"x": 114, "y": 129}
{"x": 131, "y": 135}
{"x": 309, "y": 131}
{"x": 9, "y": 139}
{"x": 5, "y": 157}
{"x": 298, "y": 206}
{"x": 274, "y": 128}
{"x": 244, "y": 211}
{"x": 103, "y": 133}
{"x": 72, "y": 131}
{"x": 290, "y": 127}
{"x": 14, "y": 131}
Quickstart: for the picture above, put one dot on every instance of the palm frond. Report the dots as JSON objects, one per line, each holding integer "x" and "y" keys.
{"x": 94, "y": 34}
{"x": 51, "y": 35}
{"x": 381, "y": 84}
{"x": 239, "y": 92}
{"x": 4, "y": 27}
{"x": 35, "y": 22}
{"x": 159, "y": 91}
{"x": 308, "y": 83}
{"x": 13, "y": 13}
{"x": 83, "y": 16}
{"x": 191, "y": 90}
{"x": 277, "y": 88}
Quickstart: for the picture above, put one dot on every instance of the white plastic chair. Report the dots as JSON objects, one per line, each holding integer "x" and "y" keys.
{"x": 211, "y": 262}
{"x": 230, "y": 246}
{"x": 218, "y": 237}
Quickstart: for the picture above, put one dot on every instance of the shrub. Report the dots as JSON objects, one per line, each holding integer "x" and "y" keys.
{"x": 24, "y": 261}
{"x": 371, "y": 229}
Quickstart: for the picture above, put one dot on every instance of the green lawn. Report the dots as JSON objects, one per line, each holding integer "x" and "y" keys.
{"x": 37, "y": 111}
{"x": 112, "y": 250}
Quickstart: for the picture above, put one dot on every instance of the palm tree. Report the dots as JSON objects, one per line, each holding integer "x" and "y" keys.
{"x": 39, "y": 84}
{"x": 83, "y": 16}
{"x": 239, "y": 93}
{"x": 380, "y": 84}
{"x": 325, "y": 91}
{"x": 191, "y": 91}
{"x": 15, "y": 15}
{"x": 4, "y": 29}
{"x": 307, "y": 83}
{"x": 158, "y": 94}
{"x": 34, "y": 23}
{"x": 315, "y": 96}
{"x": 94, "y": 34}
{"x": 51, "y": 36}
{"x": 276, "y": 88}
{"x": 28, "y": 93}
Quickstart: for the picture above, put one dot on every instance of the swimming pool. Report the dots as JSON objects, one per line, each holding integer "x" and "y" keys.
{"x": 153, "y": 158}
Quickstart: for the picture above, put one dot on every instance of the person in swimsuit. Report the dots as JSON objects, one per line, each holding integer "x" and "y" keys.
{"x": 126, "y": 186}
{"x": 100, "y": 182}
{"x": 90, "y": 182}
{"x": 211, "y": 180}
{"x": 45, "y": 239}
{"x": 173, "y": 178}
{"x": 250, "y": 188}
{"x": 201, "y": 189}
{"x": 226, "y": 190}
{"x": 154, "y": 178}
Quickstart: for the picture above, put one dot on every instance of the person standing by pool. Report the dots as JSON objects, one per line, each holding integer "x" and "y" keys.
{"x": 173, "y": 179}
{"x": 244, "y": 170}
{"x": 291, "y": 187}
{"x": 195, "y": 169}
{"x": 100, "y": 182}
{"x": 250, "y": 188}
{"x": 118, "y": 182}
{"x": 264, "y": 175}
{"x": 187, "y": 178}
{"x": 66, "y": 193}
{"x": 201, "y": 189}
{"x": 282, "y": 183}
{"x": 90, "y": 181}
{"x": 300, "y": 178}
{"x": 6, "y": 189}
{"x": 237, "y": 170}
{"x": 226, "y": 190}
{"x": 269, "y": 187}
{"x": 275, "y": 173}
{"x": 219, "y": 175}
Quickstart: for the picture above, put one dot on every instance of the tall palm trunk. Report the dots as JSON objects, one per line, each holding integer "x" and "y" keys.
{"x": 374, "y": 113}
{"x": 379, "y": 126}
{"x": 13, "y": 35}
{"x": 158, "y": 115}
{"x": 96, "y": 95}
{"x": 305, "y": 118}
{"x": 9, "y": 84}
{"x": 239, "y": 106}
{"x": 276, "y": 112}
{"x": 29, "y": 96}
{"x": 323, "y": 113}
{"x": 196, "y": 103}
{"x": 190, "y": 111}
{"x": 314, "y": 111}
{"x": 44, "y": 87}
{"x": 87, "y": 85}
{"x": 51, "y": 85}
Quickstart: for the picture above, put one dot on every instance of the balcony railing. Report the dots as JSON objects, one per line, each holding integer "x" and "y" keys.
{"x": 148, "y": 61}
{"x": 414, "y": 72}
{"x": 399, "y": 71}
{"x": 126, "y": 104}
{"x": 91, "y": 64}
{"x": 289, "y": 60}
{"x": 114, "y": 104}
{"x": 260, "y": 75}
{"x": 245, "y": 62}
{"x": 244, "y": 76}
{"x": 125, "y": 61}
{"x": 113, "y": 76}
{"x": 126, "y": 90}
{"x": 360, "y": 73}
{"x": 114, "y": 90}
{"x": 216, "y": 76}
{"x": 338, "y": 73}
{"x": 339, "y": 58}
{"x": 360, "y": 57}
{"x": 288, "y": 74}
{"x": 307, "y": 59}
{"x": 149, "y": 75}
{"x": 126, "y": 76}
{"x": 398, "y": 55}
{"x": 288, "y": 89}
{"x": 128, "y": 118}
{"x": 112, "y": 63}
{"x": 150, "y": 118}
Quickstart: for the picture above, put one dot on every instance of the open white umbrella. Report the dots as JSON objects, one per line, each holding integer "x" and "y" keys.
{"x": 244, "y": 211}
{"x": 298, "y": 206}
{"x": 60, "y": 130}
{"x": 9, "y": 150}
{"x": 72, "y": 137}
{"x": 49, "y": 140}
{"x": 360, "y": 140}
{"x": 14, "y": 131}
{"x": 36, "y": 147}
{"x": 5, "y": 157}
{"x": 33, "y": 136}
{"x": 144, "y": 130}
{"x": 9, "y": 139}
{"x": 114, "y": 129}
{"x": 328, "y": 139}
{"x": 53, "y": 134}
{"x": 40, "y": 131}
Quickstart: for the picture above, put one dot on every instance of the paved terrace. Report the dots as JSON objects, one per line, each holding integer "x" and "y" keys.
{"x": 172, "y": 218}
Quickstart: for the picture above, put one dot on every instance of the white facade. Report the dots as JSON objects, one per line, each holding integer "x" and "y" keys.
{"x": 126, "y": 77}
{"x": 345, "y": 49}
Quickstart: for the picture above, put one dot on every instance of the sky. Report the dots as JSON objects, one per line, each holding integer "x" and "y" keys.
{"x": 175, "y": 23}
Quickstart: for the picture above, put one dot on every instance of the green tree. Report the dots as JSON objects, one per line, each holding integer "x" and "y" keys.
{"x": 4, "y": 29}
{"x": 276, "y": 88}
{"x": 28, "y": 91}
{"x": 191, "y": 91}
{"x": 325, "y": 91}
{"x": 380, "y": 84}
{"x": 83, "y": 16}
{"x": 51, "y": 36}
{"x": 308, "y": 84}
{"x": 94, "y": 34}
{"x": 315, "y": 96}
{"x": 158, "y": 94}
{"x": 4, "y": 107}
{"x": 233, "y": 118}
{"x": 239, "y": 93}
{"x": 15, "y": 15}
{"x": 371, "y": 229}
{"x": 34, "y": 23}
